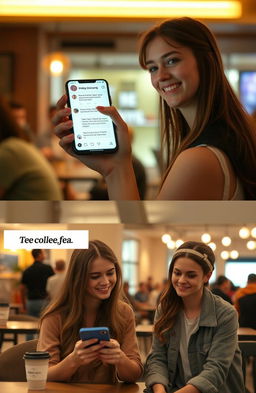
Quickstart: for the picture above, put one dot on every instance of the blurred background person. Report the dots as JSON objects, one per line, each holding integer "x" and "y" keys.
{"x": 245, "y": 303}
{"x": 55, "y": 282}
{"x": 24, "y": 173}
{"x": 222, "y": 288}
{"x": 19, "y": 113}
{"x": 33, "y": 284}
{"x": 142, "y": 295}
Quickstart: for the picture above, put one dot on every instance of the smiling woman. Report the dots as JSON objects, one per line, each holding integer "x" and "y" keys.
{"x": 91, "y": 296}
{"x": 195, "y": 347}
{"x": 208, "y": 138}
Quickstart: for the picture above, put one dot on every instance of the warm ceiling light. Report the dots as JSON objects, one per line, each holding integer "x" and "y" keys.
{"x": 166, "y": 238}
{"x": 226, "y": 241}
{"x": 171, "y": 245}
{"x": 206, "y": 237}
{"x": 178, "y": 243}
{"x": 253, "y": 232}
{"x": 224, "y": 255}
{"x": 212, "y": 245}
{"x": 56, "y": 63}
{"x": 251, "y": 245}
{"x": 120, "y": 9}
{"x": 234, "y": 254}
{"x": 244, "y": 233}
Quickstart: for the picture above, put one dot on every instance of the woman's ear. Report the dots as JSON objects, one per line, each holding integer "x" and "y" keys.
{"x": 207, "y": 277}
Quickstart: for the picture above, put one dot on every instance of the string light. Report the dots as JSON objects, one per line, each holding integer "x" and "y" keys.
{"x": 224, "y": 255}
{"x": 234, "y": 254}
{"x": 206, "y": 237}
{"x": 244, "y": 233}
{"x": 212, "y": 245}
{"x": 226, "y": 241}
{"x": 251, "y": 245}
{"x": 166, "y": 238}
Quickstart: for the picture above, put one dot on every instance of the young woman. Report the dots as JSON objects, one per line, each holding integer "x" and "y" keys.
{"x": 195, "y": 346}
{"x": 91, "y": 296}
{"x": 208, "y": 139}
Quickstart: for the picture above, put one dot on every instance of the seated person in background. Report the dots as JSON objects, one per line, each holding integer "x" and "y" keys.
{"x": 24, "y": 173}
{"x": 100, "y": 192}
{"x": 54, "y": 283}
{"x": 195, "y": 343}
{"x": 222, "y": 288}
{"x": 19, "y": 114}
{"x": 91, "y": 296}
{"x": 142, "y": 295}
{"x": 245, "y": 303}
{"x": 154, "y": 295}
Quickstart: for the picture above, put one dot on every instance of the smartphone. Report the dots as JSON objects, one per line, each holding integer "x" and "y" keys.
{"x": 101, "y": 333}
{"x": 94, "y": 132}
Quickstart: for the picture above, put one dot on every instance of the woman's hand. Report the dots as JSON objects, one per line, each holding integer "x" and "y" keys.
{"x": 102, "y": 163}
{"x": 85, "y": 353}
{"x": 110, "y": 352}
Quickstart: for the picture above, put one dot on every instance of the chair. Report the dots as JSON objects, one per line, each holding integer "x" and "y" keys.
{"x": 248, "y": 349}
{"x": 12, "y": 366}
{"x": 247, "y": 315}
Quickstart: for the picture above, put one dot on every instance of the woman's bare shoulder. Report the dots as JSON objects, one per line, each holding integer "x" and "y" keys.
{"x": 195, "y": 175}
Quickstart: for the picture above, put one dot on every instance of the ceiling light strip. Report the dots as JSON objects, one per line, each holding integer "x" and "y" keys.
{"x": 132, "y": 8}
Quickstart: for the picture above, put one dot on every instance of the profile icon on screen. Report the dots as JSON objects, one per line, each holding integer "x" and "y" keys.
{"x": 76, "y": 110}
{"x": 73, "y": 87}
{"x": 79, "y": 136}
{"x": 74, "y": 96}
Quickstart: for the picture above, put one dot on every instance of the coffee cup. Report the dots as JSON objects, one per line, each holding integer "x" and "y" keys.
{"x": 4, "y": 313}
{"x": 36, "y": 365}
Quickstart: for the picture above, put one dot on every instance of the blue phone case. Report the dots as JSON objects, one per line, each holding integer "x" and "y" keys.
{"x": 101, "y": 333}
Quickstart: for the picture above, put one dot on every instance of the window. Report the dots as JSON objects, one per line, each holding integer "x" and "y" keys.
{"x": 130, "y": 259}
{"x": 238, "y": 271}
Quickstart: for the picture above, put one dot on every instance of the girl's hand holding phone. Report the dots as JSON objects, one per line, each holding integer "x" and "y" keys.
{"x": 85, "y": 353}
{"x": 110, "y": 352}
{"x": 102, "y": 163}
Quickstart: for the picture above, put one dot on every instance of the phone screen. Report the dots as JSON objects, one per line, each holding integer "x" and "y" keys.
{"x": 93, "y": 131}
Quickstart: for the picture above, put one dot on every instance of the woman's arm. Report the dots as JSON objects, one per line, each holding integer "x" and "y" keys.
{"x": 116, "y": 168}
{"x": 81, "y": 355}
{"x": 49, "y": 340}
{"x": 221, "y": 352}
{"x": 125, "y": 355}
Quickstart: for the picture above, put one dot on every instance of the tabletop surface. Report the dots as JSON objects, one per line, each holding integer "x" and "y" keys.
{"x": 56, "y": 387}
{"x": 19, "y": 326}
{"x": 75, "y": 171}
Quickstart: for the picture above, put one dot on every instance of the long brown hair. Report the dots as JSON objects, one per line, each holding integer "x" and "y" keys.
{"x": 8, "y": 126}
{"x": 216, "y": 100}
{"x": 70, "y": 302}
{"x": 170, "y": 302}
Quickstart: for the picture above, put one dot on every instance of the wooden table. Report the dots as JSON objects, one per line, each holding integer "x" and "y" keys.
{"x": 56, "y": 387}
{"x": 246, "y": 334}
{"x": 17, "y": 327}
{"x": 20, "y": 327}
{"x": 144, "y": 330}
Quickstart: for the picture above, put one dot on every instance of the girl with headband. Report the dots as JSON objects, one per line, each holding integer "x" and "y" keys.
{"x": 195, "y": 345}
